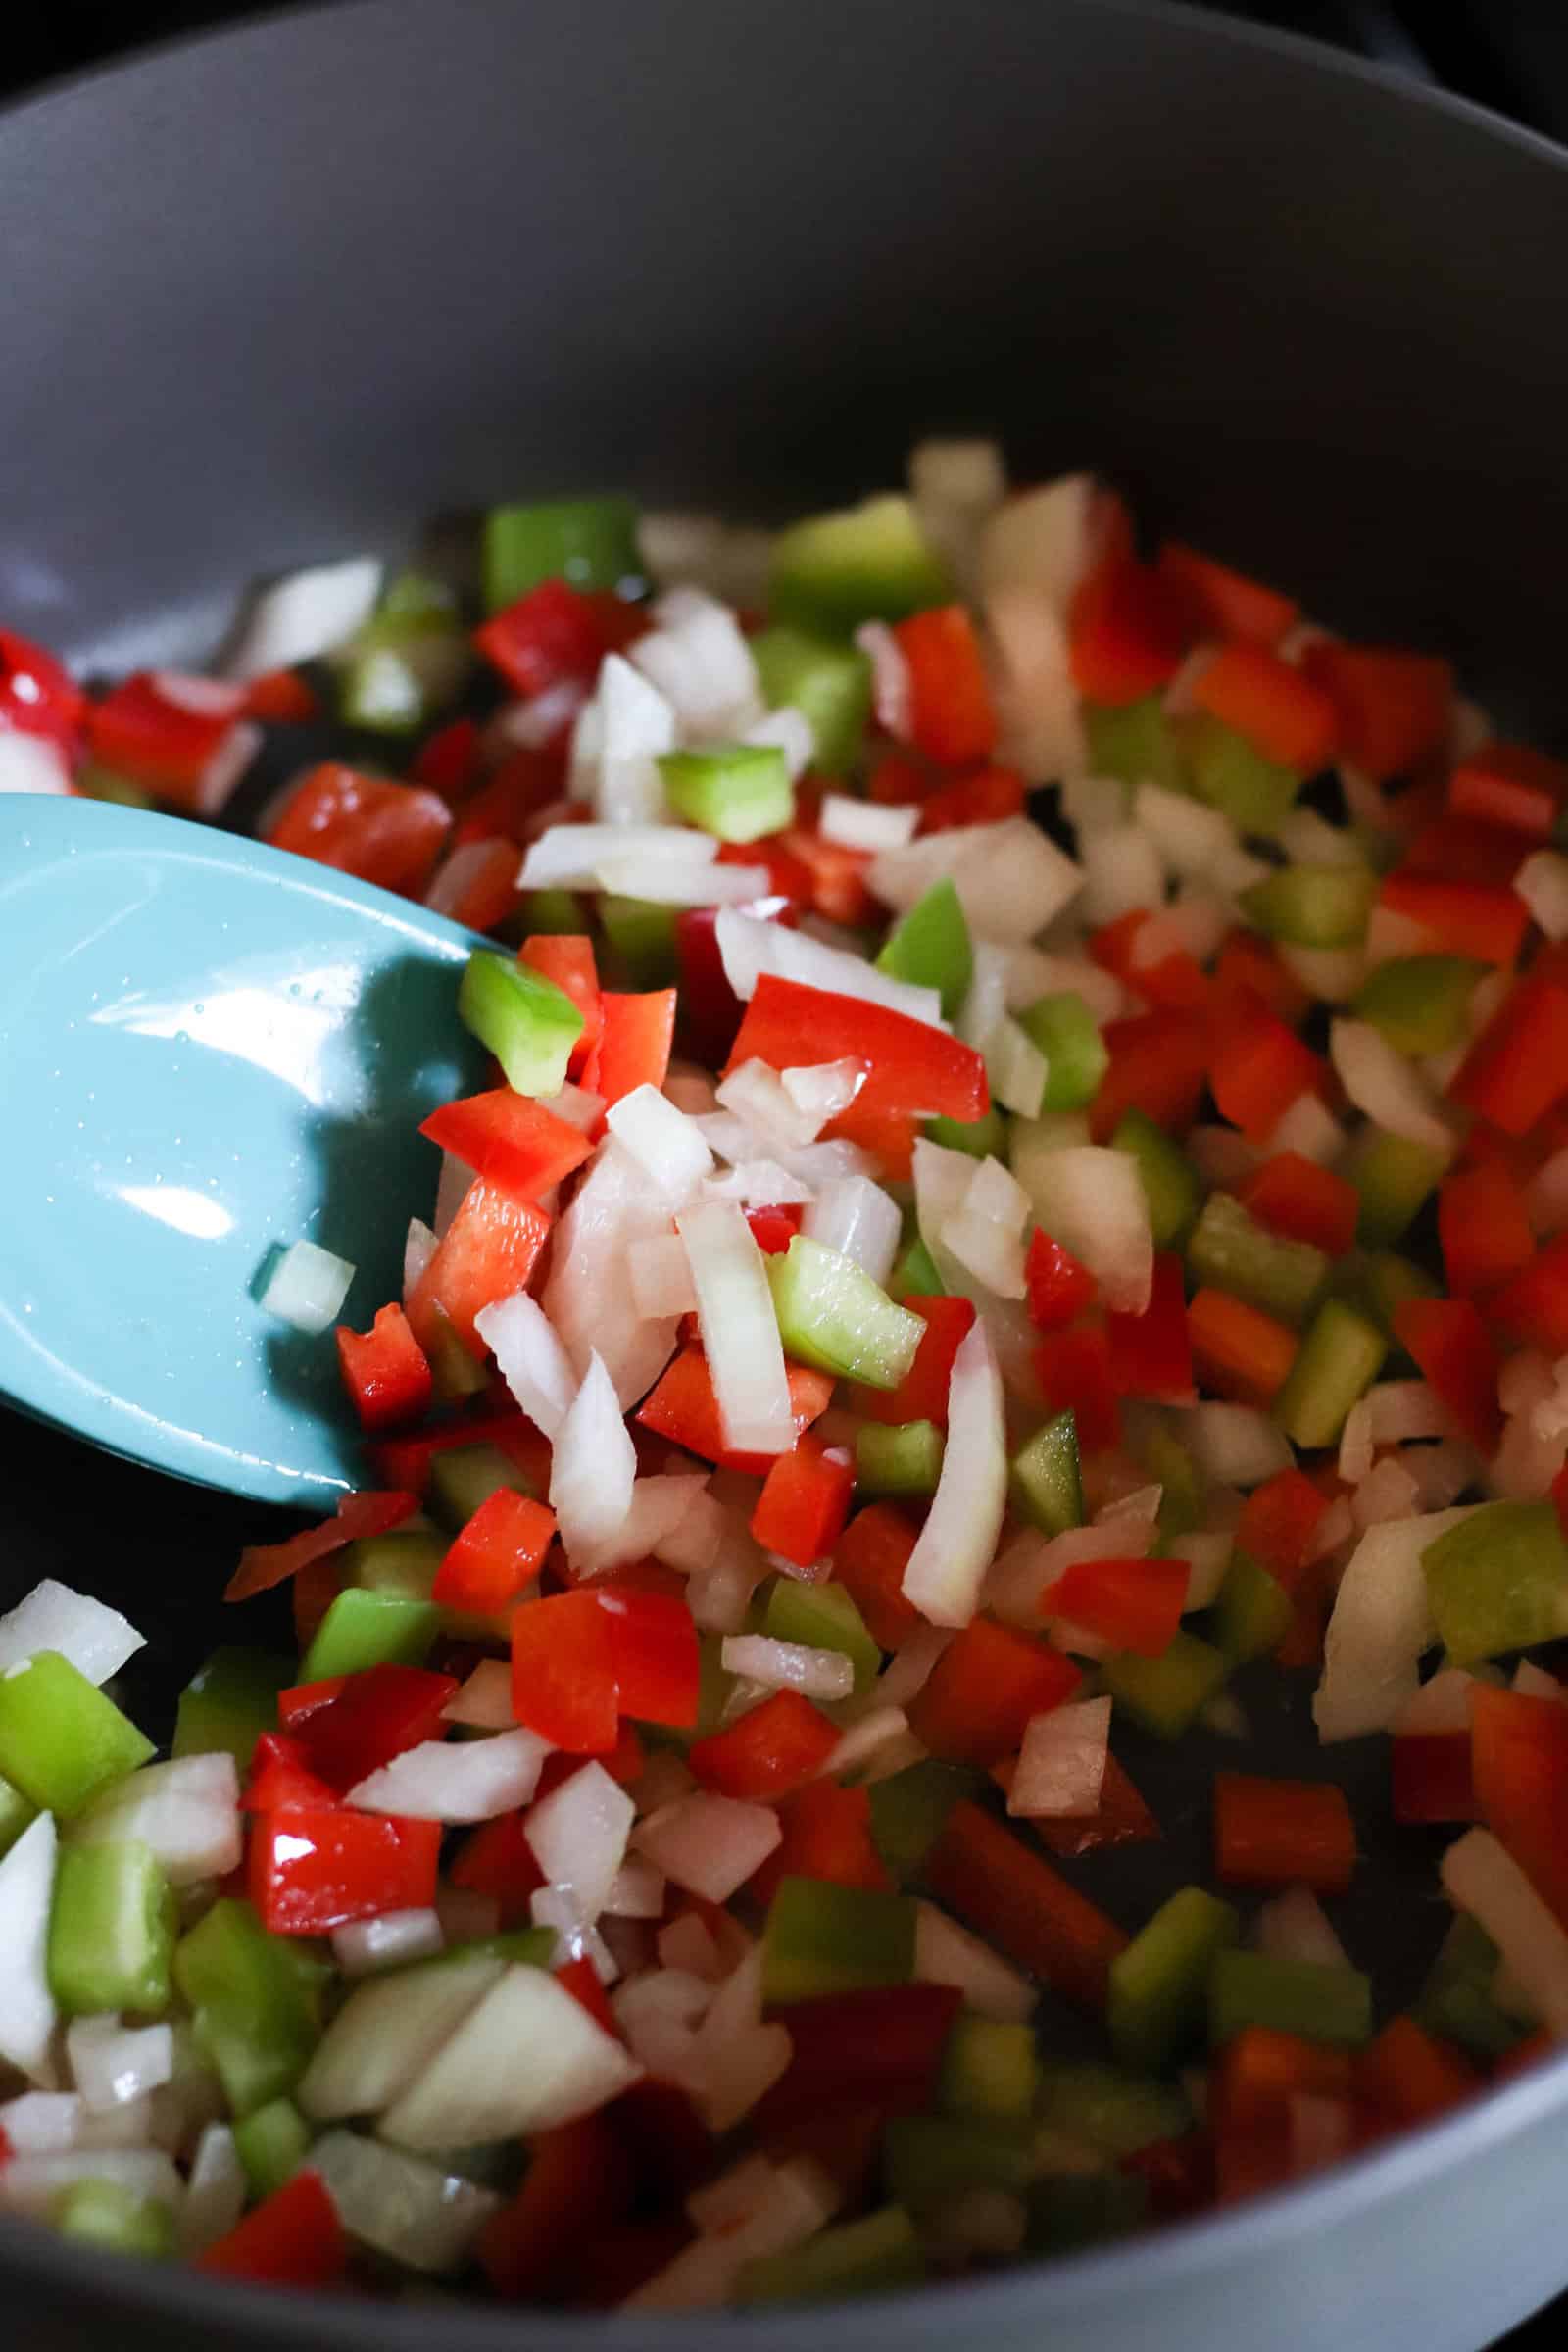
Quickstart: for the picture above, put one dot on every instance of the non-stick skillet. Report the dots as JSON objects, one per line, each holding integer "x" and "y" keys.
{"x": 288, "y": 291}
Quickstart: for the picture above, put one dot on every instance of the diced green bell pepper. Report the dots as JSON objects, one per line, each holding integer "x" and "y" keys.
{"x": 642, "y": 934}
{"x": 1231, "y": 776}
{"x": 1421, "y": 1003}
{"x": 369, "y": 1628}
{"x": 822, "y": 1617}
{"x": 257, "y": 1999}
{"x": 1499, "y": 1581}
{"x": 1111, "y": 2107}
{"x": 1252, "y": 1611}
{"x": 930, "y": 946}
{"x": 96, "y": 783}
{"x": 1312, "y": 905}
{"x": 869, "y": 2257}
{"x": 927, "y": 2159}
{"x": 1228, "y": 1249}
{"x": 1458, "y": 2000}
{"x": 990, "y": 2069}
{"x": 463, "y": 1476}
{"x": 821, "y": 1937}
{"x": 520, "y": 1948}
{"x": 411, "y": 657}
{"x": 829, "y": 684}
{"x": 735, "y": 791}
{"x": 229, "y": 1702}
{"x": 1170, "y": 1181}
{"x": 867, "y": 563}
{"x": 906, "y": 1459}
{"x": 1181, "y": 1483}
{"x": 15, "y": 1811}
{"x": 1067, "y": 1033}
{"x": 1073, "y": 2209}
{"x": 589, "y": 542}
{"x": 909, "y": 1811}
{"x": 456, "y": 1373}
{"x": 272, "y": 2143}
{"x": 1387, "y": 1281}
{"x": 530, "y": 1024}
{"x": 1393, "y": 1176}
{"x": 984, "y": 1138}
{"x": 1294, "y": 1996}
{"x": 560, "y": 913}
{"x": 1045, "y": 1482}
{"x": 61, "y": 1740}
{"x": 1136, "y": 743}
{"x": 108, "y": 2215}
{"x": 404, "y": 1563}
{"x": 1336, "y": 1362}
{"x": 1165, "y": 1694}
{"x": 111, "y": 1929}
{"x": 915, "y": 1275}
{"x": 1159, "y": 1986}
{"x": 833, "y": 1315}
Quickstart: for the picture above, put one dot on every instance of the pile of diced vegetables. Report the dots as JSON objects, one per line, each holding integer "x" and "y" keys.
{"x": 913, "y": 1301}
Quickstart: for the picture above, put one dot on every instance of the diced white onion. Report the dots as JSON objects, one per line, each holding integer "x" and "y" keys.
{"x": 696, "y": 883}
{"x": 530, "y": 1359}
{"x": 364, "y": 1946}
{"x": 757, "y": 1095}
{"x": 1483, "y": 1879}
{"x": 890, "y": 686}
{"x": 1236, "y": 1443}
{"x": 1442, "y": 1704}
{"x": 527, "y": 2058}
{"x": 799, "y": 2199}
{"x": 1190, "y": 837}
{"x": 1032, "y": 975}
{"x": 785, "y": 731}
{"x": 34, "y": 2185}
{"x": 1207, "y": 1556}
{"x": 739, "y": 1329}
{"x": 636, "y": 1891}
{"x": 661, "y": 1278}
{"x": 386, "y": 2032}
{"x": 26, "y": 2003}
{"x": 709, "y": 1845}
{"x": 859, "y": 1219}
{"x": 874, "y": 1748}
{"x": 1015, "y": 1067}
{"x": 1043, "y": 540}
{"x": 111, "y": 2063}
{"x": 95, "y": 1638}
{"x": 300, "y": 618}
{"x": 820, "y": 1090}
{"x": 33, "y": 763}
{"x": 306, "y": 1287}
{"x": 593, "y": 1467}
{"x": 954, "y": 1547}
{"x": 946, "y": 1953}
{"x": 956, "y": 487}
{"x": 566, "y": 856}
{"x": 187, "y": 1811}
{"x": 1294, "y": 1926}
{"x": 1122, "y": 873}
{"x": 666, "y": 1144}
{"x": 822, "y": 1675}
{"x": 457, "y": 873}
{"x": 463, "y": 1780}
{"x": 692, "y": 1544}
{"x": 867, "y": 825}
{"x": 1092, "y": 1201}
{"x": 700, "y": 664}
{"x": 987, "y": 1251}
{"x": 418, "y": 1251}
{"x": 750, "y": 946}
{"x": 1543, "y": 883}
{"x": 1062, "y": 1763}
{"x": 1387, "y": 1492}
{"x": 1379, "y": 1629}
{"x": 215, "y": 2190}
{"x": 417, "y": 2214}
{"x": 1380, "y": 1083}
{"x": 578, "y": 1834}
{"x": 995, "y": 1193}
{"x": 1011, "y": 880}
{"x": 455, "y": 1182}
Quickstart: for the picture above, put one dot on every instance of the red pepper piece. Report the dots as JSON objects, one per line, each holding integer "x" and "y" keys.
{"x": 568, "y": 958}
{"x": 1158, "y": 1064}
{"x": 580, "y": 1979}
{"x": 634, "y": 1049}
{"x": 406, "y": 1461}
{"x": 1018, "y": 1902}
{"x": 497, "y": 1860}
{"x": 564, "y": 1682}
{"x": 922, "y": 1393}
{"x": 827, "y": 1834}
{"x": 881, "y": 2047}
{"x": 280, "y": 1779}
{"x": 777, "y": 1746}
{"x": 1431, "y": 1777}
{"x": 1073, "y": 1369}
{"x": 294, "y": 2238}
{"x": 1519, "y": 1756}
{"x": 448, "y": 761}
{"x": 160, "y": 740}
{"x": 1511, "y": 786}
{"x": 375, "y": 1716}
{"x": 710, "y": 1011}
{"x": 654, "y": 1652}
{"x": 1391, "y": 710}
{"x": 1518, "y": 1066}
{"x": 263, "y": 1565}
{"x": 1237, "y": 1348}
{"x": 1060, "y": 1290}
{"x": 1458, "y": 849}
{"x": 1125, "y": 631}
{"x": 1136, "y": 1603}
{"x": 579, "y": 2181}
{"x": 510, "y": 1138}
{"x": 1278, "y": 1522}
{"x": 383, "y": 832}
{"x": 1459, "y": 918}
{"x": 872, "y": 1556}
{"x": 1151, "y": 1356}
{"x": 805, "y": 1502}
{"x": 475, "y": 884}
{"x": 952, "y": 716}
{"x": 684, "y": 1409}
{"x": 496, "y": 1555}
{"x": 1453, "y": 1351}
{"x": 987, "y": 797}
{"x": 384, "y": 1370}
{"x": 1408, "y": 2075}
{"x": 1123, "y": 1817}
{"x": 1274, "y": 703}
{"x": 1249, "y": 972}
{"x": 910, "y": 1068}
{"x": 551, "y": 635}
{"x": 517, "y": 797}
{"x": 487, "y": 1252}
{"x": 773, "y": 1229}
{"x": 896, "y": 781}
{"x": 1282, "y": 1834}
{"x": 984, "y": 1689}
{"x": 1217, "y": 602}
{"x": 1534, "y": 1305}
{"x": 826, "y": 876}
{"x": 1293, "y": 1195}
{"x": 310, "y": 1871}
{"x": 1178, "y": 2173}
{"x": 39, "y": 696}
{"x": 1484, "y": 1228}
{"x": 1258, "y": 1070}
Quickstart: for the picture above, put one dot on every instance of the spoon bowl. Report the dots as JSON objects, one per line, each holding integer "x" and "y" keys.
{"x": 211, "y": 1050}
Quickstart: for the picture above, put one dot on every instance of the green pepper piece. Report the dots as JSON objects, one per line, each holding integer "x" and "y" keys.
{"x": 1499, "y": 1581}
{"x": 915, "y": 1275}
{"x": 829, "y": 684}
{"x": 1393, "y": 1177}
{"x": 1387, "y": 1281}
{"x": 735, "y": 791}
{"x": 1112, "y": 2108}
{"x": 96, "y": 783}
{"x": 926, "y": 2159}
{"x": 410, "y": 659}
{"x": 821, "y": 1937}
{"x": 833, "y": 1315}
{"x": 111, "y": 1929}
{"x": 869, "y": 2257}
{"x": 1458, "y": 2000}
{"x": 930, "y": 946}
{"x": 909, "y": 1811}
{"x": 369, "y": 1628}
{"x": 106, "y": 2214}
{"x": 1229, "y": 1250}
{"x": 990, "y": 2069}
{"x": 984, "y": 1138}
{"x": 1169, "y": 1179}
{"x": 1165, "y": 1694}
{"x": 1181, "y": 1483}
{"x": 463, "y": 1476}
{"x": 1312, "y": 905}
{"x": 257, "y": 1999}
{"x": 589, "y": 542}
{"x": 867, "y": 563}
{"x": 1252, "y": 1611}
{"x": 822, "y": 1617}
{"x": 1067, "y": 1033}
{"x": 61, "y": 1740}
{"x": 1073, "y": 2209}
{"x": 1421, "y": 1003}
{"x": 272, "y": 2143}
{"x": 403, "y": 1563}
{"x": 1336, "y": 1362}
{"x": 1135, "y": 743}
{"x": 1255, "y": 794}
{"x": 1159, "y": 1986}
{"x": 229, "y": 1702}
{"x": 530, "y": 1024}
{"x": 556, "y": 911}
{"x": 1044, "y": 1483}
{"x": 1294, "y": 1996}
{"x": 642, "y": 934}
{"x": 903, "y": 1459}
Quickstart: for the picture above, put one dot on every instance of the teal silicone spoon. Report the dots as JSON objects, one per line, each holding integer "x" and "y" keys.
{"x": 208, "y": 1050}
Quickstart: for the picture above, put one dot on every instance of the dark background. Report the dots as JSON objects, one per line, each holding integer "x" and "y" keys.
{"x": 1509, "y": 54}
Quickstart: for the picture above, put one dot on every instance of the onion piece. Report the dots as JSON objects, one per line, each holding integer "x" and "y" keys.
{"x": 739, "y": 1329}
{"x": 821, "y": 1090}
{"x": 661, "y": 1278}
{"x": 993, "y": 1256}
{"x": 386, "y": 2032}
{"x": 35, "y": 2184}
{"x": 466, "y": 1780}
{"x": 95, "y": 1638}
{"x": 945, "y": 1953}
{"x": 1062, "y": 1763}
{"x": 785, "y": 731}
{"x": 530, "y": 1359}
{"x": 392, "y": 1940}
{"x": 111, "y": 2063}
{"x": 658, "y": 1509}
{"x": 822, "y": 1675}
{"x": 300, "y": 618}
{"x": 484, "y": 1703}
{"x": 1380, "y": 1083}
{"x": 874, "y": 1748}
{"x": 1015, "y": 1069}
{"x": 26, "y": 2003}
{"x": 636, "y": 725}
{"x": 1543, "y": 883}
{"x": 587, "y": 1296}
{"x": 527, "y": 2058}
{"x": 417, "y": 2213}
{"x": 1380, "y": 1627}
{"x": 1043, "y": 541}
{"x": 958, "y": 487}
{"x": 709, "y": 1845}
{"x": 666, "y": 1144}
{"x": 1092, "y": 1201}
{"x": 1011, "y": 880}
{"x": 1483, "y": 1879}
{"x": 217, "y": 2189}
{"x": 757, "y": 1095}
{"x": 566, "y": 856}
{"x": 1208, "y": 1554}
{"x": 858, "y": 824}
{"x": 578, "y": 1834}
{"x": 187, "y": 1811}
{"x": 703, "y": 2276}
{"x": 750, "y": 946}
{"x": 859, "y": 1219}
{"x": 1235, "y": 1443}
{"x": 33, "y": 763}
{"x": 700, "y": 664}
{"x": 1190, "y": 838}
{"x": 954, "y": 1548}
{"x": 693, "y": 1542}
{"x": 593, "y": 1467}
{"x": 1294, "y": 1926}
{"x": 890, "y": 686}
{"x": 418, "y": 1251}
{"x": 696, "y": 883}
{"x": 1122, "y": 873}
{"x": 636, "y": 1891}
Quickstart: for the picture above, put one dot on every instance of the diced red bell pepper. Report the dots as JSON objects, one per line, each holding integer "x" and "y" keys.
{"x": 263, "y": 1565}
{"x": 552, "y": 634}
{"x": 773, "y": 1229}
{"x": 1391, "y": 710}
{"x": 952, "y": 716}
{"x": 654, "y": 1652}
{"x": 1484, "y": 1228}
{"x": 869, "y": 1562}
{"x": 1073, "y": 1369}
{"x": 280, "y": 1779}
{"x": 1534, "y": 1305}
{"x": 1060, "y": 1290}
{"x": 564, "y": 1680}
{"x": 922, "y": 1393}
{"x": 183, "y": 751}
{"x": 1512, "y": 786}
{"x": 383, "y": 832}
{"x": 988, "y": 796}
{"x": 375, "y": 1716}
{"x": 495, "y": 1859}
{"x": 1459, "y": 918}
{"x": 1518, "y": 1066}
{"x": 476, "y": 884}
{"x": 312, "y": 1872}
{"x": 282, "y": 698}
{"x": 984, "y": 1689}
{"x": 487, "y": 1252}
{"x": 671, "y": 2147}
{"x": 1177, "y": 2174}
{"x": 805, "y": 1502}
{"x": 710, "y": 1011}
{"x": 910, "y": 1068}
{"x": 1282, "y": 1834}
{"x": 1151, "y": 1356}
{"x": 581, "y": 1980}
{"x": 514, "y": 799}
{"x": 1431, "y": 1777}
{"x": 1219, "y": 602}
{"x": 448, "y": 761}
{"x": 1278, "y": 1522}
{"x": 1293, "y": 1195}
{"x": 39, "y": 696}
{"x": 1454, "y": 1352}
{"x": 1239, "y": 1349}
{"x": 684, "y": 1408}
{"x": 1519, "y": 1757}
{"x": 496, "y": 1555}
{"x": 1259, "y": 2070}
{"x": 293, "y": 2238}
{"x": 1125, "y": 631}
{"x": 1409, "y": 2076}
{"x": 1458, "y": 849}
{"x": 567, "y": 959}
{"x": 1019, "y": 1903}
{"x": 579, "y": 2181}
{"x": 1175, "y": 982}
{"x": 1158, "y": 1064}
{"x": 1249, "y": 972}
{"x": 896, "y": 781}
{"x": 1123, "y": 1817}
{"x": 384, "y": 1370}
{"x": 1273, "y": 702}
{"x": 634, "y": 1048}
{"x": 777, "y": 1746}
{"x": 880, "y": 2047}
{"x": 406, "y": 1461}
{"x": 1258, "y": 1070}
{"x": 1136, "y": 1603}
{"x": 827, "y": 1834}
{"x": 828, "y": 876}
{"x": 510, "y": 1138}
